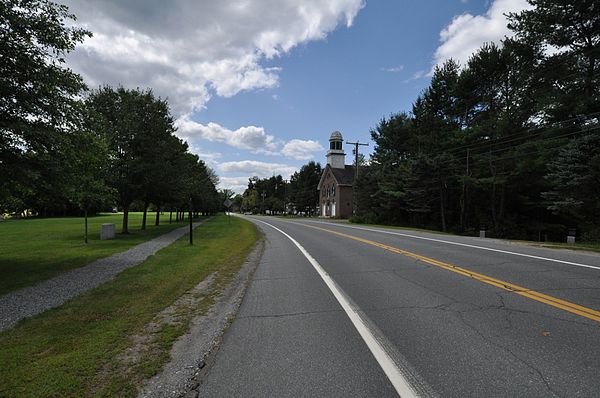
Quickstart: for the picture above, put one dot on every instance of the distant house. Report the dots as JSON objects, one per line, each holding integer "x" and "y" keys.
{"x": 335, "y": 186}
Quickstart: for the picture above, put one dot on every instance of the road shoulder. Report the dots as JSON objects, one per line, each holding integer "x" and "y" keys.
{"x": 192, "y": 351}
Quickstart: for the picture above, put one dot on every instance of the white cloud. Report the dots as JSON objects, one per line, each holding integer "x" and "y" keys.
{"x": 394, "y": 69}
{"x": 466, "y": 33}
{"x": 256, "y": 168}
{"x": 236, "y": 184}
{"x": 248, "y": 137}
{"x": 210, "y": 158}
{"x": 301, "y": 149}
{"x": 252, "y": 138}
{"x": 188, "y": 50}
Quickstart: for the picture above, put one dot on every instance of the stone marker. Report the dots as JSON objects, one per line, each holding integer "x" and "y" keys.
{"x": 482, "y": 230}
{"x": 571, "y": 236}
{"x": 107, "y": 231}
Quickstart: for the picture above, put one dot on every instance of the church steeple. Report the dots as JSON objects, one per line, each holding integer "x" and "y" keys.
{"x": 336, "y": 157}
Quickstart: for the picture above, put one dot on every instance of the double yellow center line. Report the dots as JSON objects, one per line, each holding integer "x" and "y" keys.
{"x": 521, "y": 291}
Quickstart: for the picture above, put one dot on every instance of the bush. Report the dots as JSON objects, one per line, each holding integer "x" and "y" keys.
{"x": 356, "y": 220}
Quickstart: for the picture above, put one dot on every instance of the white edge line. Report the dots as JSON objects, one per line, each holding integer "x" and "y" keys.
{"x": 459, "y": 244}
{"x": 389, "y": 367}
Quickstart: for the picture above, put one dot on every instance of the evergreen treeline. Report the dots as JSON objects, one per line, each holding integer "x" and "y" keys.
{"x": 66, "y": 150}
{"x": 510, "y": 141}
{"x": 278, "y": 196}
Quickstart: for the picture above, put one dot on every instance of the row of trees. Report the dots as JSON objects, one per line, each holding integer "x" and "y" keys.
{"x": 511, "y": 140}
{"x": 279, "y": 196}
{"x": 65, "y": 149}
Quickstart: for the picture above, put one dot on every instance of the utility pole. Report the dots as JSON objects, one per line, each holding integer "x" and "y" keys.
{"x": 355, "y": 150}
{"x": 285, "y": 182}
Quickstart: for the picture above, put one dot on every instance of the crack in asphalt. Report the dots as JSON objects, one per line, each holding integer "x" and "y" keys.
{"x": 376, "y": 271}
{"x": 558, "y": 289}
{"x": 510, "y": 352}
{"x": 290, "y": 314}
{"x": 279, "y": 278}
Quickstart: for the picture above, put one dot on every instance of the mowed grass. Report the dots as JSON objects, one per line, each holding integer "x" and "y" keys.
{"x": 33, "y": 250}
{"x": 73, "y": 350}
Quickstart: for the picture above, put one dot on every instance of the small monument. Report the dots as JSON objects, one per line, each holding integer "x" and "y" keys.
{"x": 107, "y": 231}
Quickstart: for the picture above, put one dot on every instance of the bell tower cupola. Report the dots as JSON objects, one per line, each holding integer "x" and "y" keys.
{"x": 336, "y": 157}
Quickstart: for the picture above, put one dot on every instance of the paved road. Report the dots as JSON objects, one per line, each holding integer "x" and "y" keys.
{"x": 357, "y": 311}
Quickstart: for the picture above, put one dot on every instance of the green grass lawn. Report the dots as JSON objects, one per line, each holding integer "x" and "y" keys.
{"x": 32, "y": 250}
{"x": 73, "y": 350}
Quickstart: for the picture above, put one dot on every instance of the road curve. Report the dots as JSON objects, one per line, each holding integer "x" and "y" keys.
{"x": 456, "y": 316}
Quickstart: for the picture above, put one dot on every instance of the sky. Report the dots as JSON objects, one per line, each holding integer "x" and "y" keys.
{"x": 257, "y": 86}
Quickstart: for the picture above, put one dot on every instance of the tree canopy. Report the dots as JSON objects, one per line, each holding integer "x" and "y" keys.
{"x": 64, "y": 150}
{"x": 38, "y": 99}
{"x": 507, "y": 141}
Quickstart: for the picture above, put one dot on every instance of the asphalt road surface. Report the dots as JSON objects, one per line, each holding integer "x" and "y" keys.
{"x": 339, "y": 310}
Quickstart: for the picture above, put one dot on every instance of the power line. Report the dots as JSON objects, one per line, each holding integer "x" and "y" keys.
{"x": 356, "y": 145}
{"x": 523, "y": 133}
{"x": 476, "y": 160}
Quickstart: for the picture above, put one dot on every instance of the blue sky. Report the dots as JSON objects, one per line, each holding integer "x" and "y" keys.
{"x": 257, "y": 87}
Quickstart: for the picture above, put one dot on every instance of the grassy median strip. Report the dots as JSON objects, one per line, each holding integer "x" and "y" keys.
{"x": 79, "y": 348}
{"x": 33, "y": 250}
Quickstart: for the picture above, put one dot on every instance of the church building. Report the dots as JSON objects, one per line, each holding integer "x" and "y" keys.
{"x": 335, "y": 186}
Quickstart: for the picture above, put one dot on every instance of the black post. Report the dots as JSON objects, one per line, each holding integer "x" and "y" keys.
{"x": 191, "y": 226}
{"x": 86, "y": 226}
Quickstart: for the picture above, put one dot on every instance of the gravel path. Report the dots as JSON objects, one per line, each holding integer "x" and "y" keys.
{"x": 53, "y": 292}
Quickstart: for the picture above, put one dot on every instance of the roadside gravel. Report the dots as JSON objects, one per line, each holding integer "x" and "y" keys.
{"x": 191, "y": 352}
{"x": 53, "y": 292}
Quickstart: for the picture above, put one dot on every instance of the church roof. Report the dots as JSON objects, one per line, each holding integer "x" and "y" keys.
{"x": 343, "y": 176}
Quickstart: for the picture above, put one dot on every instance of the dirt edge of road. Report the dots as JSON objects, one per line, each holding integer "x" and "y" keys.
{"x": 194, "y": 352}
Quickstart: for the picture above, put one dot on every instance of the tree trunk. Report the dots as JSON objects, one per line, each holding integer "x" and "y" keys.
{"x": 157, "y": 222}
{"x": 442, "y": 208}
{"x": 144, "y": 216}
{"x": 171, "y": 216}
{"x": 493, "y": 197}
{"x": 85, "y": 212}
{"x": 464, "y": 198}
{"x": 125, "y": 229}
{"x": 502, "y": 201}
{"x": 463, "y": 206}
{"x": 493, "y": 205}
{"x": 191, "y": 226}
{"x": 589, "y": 81}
